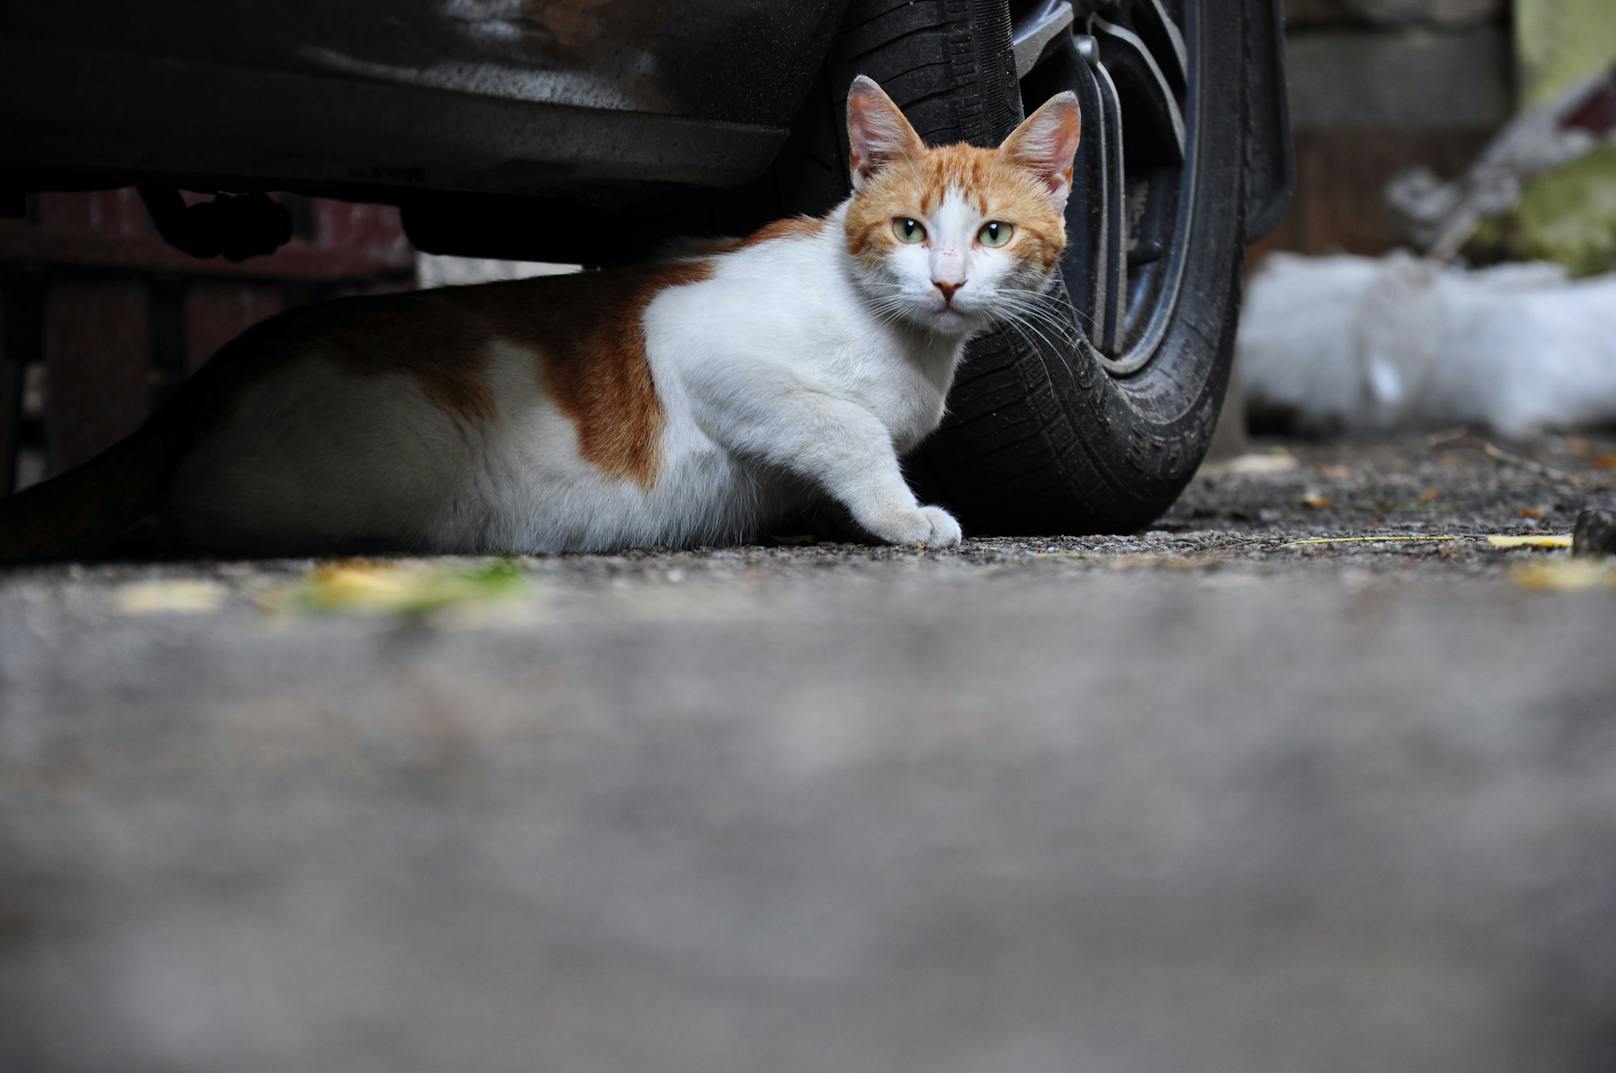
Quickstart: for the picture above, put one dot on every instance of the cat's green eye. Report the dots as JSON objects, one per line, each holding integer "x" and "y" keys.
{"x": 908, "y": 230}
{"x": 995, "y": 233}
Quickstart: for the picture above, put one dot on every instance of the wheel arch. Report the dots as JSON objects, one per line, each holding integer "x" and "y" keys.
{"x": 1270, "y": 164}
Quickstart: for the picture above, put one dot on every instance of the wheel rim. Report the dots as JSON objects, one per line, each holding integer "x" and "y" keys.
{"x": 1134, "y": 67}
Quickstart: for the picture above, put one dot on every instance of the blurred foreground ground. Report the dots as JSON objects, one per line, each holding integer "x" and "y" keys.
{"x": 1213, "y": 798}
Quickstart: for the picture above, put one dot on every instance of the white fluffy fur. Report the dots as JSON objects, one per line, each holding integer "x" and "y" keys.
{"x": 784, "y": 373}
{"x": 1371, "y": 344}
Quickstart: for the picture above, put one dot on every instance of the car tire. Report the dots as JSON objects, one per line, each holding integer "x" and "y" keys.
{"x": 1045, "y": 433}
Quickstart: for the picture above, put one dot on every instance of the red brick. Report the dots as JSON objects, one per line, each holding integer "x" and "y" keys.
{"x": 97, "y": 366}
{"x": 217, "y": 312}
{"x": 110, "y": 228}
{"x": 67, "y": 214}
{"x": 10, "y": 405}
{"x": 1341, "y": 177}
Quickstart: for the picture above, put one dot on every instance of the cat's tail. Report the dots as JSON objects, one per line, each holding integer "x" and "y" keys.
{"x": 83, "y": 511}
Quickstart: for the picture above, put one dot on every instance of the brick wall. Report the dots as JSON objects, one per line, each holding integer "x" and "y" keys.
{"x": 100, "y": 318}
{"x": 1377, "y": 86}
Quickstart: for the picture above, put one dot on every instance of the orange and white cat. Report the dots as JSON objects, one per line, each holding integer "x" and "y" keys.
{"x": 692, "y": 400}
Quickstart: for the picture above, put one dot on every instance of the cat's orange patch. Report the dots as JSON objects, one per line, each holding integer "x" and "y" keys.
{"x": 588, "y": 332}
{"x": 422, "y": 336}
{"x": 790, "y": 227}
{"x": 419, "y": 335}
{"x": 586, "y": 329}
{"x": 956, "y": 167}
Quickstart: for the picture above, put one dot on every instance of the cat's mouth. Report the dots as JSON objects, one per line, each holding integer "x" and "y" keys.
{"x": 951, "y": 316}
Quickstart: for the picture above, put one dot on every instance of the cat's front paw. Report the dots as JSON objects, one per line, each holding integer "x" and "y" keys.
{"x": 932, "y": 526}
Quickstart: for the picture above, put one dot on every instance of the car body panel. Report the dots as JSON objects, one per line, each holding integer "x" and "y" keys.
{"x": 541, "y": 128}
{"x": 509, "y": 96}
{"x": 1270, "y": 156}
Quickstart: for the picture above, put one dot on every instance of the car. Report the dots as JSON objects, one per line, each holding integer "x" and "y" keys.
{"x": 593, "y": 131}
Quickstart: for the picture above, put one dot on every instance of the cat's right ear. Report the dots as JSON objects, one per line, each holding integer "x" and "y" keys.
{"x": 877, "y": 132}
{"x": 1046, "y": 144}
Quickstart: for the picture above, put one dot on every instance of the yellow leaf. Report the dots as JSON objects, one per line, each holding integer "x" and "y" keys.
{"x": 407, "y": 588}
{"x": 1548, "y": 540}
{"x": 1251, "y": 465}
{"x": 181, "y": 597}
{"x": 1566, "y": 575}
{"x": 370, "y": 585}
{"x": 1420, "y": 539}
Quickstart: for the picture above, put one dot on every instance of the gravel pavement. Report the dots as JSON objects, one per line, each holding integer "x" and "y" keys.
{"x": 1248, "y": 792}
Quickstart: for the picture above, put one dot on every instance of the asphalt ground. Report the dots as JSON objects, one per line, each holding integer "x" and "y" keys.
{"x": 1314, "y": 775}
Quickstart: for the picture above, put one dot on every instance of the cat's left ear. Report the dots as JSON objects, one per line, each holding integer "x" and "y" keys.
{"x": 1046, "y": 144}
{"x": 877, "y": 132}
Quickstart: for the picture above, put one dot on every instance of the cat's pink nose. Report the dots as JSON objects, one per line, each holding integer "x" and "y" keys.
{"x": 948, "y": 289}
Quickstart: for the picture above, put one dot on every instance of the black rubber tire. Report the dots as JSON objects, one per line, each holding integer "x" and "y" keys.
{"x": 1040, "y": 442}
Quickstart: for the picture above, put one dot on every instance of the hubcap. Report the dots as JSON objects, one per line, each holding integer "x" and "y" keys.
{"x": 1132, "y": 64}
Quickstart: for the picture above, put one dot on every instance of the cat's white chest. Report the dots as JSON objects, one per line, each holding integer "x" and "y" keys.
{"x": 907, "y": 386}
{"x": 906, "y": 402}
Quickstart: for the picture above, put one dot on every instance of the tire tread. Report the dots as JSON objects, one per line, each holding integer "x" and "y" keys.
{"x": 1035, "y": 441}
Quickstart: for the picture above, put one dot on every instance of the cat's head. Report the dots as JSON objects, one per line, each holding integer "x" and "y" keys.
{"x": 954, "y": 238}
